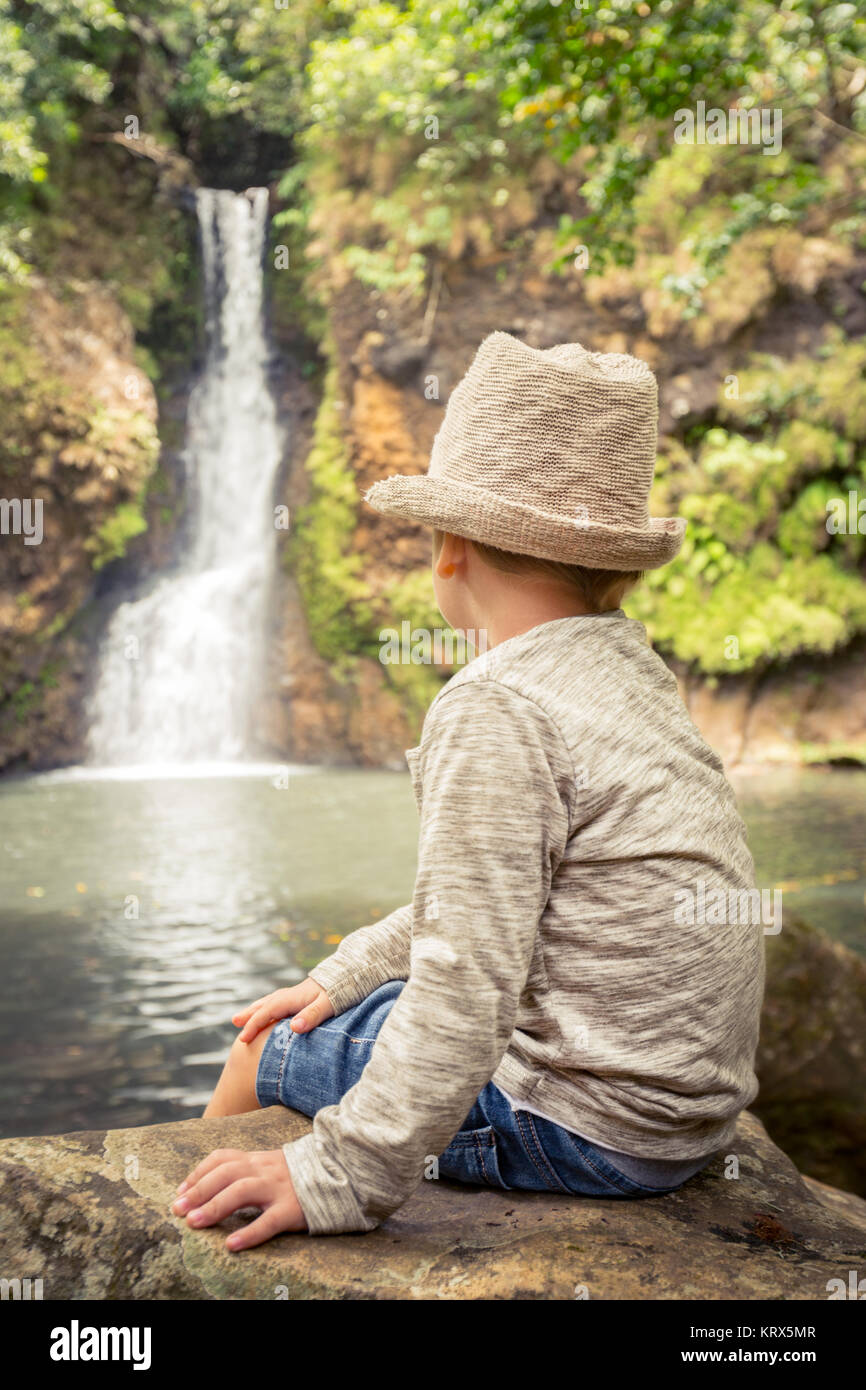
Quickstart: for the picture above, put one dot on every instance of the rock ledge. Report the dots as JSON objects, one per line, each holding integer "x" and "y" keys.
{"x": 89, "y": 1215}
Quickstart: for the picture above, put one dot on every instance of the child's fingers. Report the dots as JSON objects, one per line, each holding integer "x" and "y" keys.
{"x": 209, "y": 1184}
{"x": 269, "y": 1224}
{"x": 244, "y": 1192}
{"x": 213, "y": 1160}
{"x": 313, "y": 1014}
{"x": 243, "y": 1014}
{"x": 267, "y": 1014}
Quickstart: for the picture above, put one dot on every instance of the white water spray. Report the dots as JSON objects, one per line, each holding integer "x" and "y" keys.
{"x": 179, "y": 667}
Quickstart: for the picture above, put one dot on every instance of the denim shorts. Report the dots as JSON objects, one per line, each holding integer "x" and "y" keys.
{"x": 494, "y": 1147}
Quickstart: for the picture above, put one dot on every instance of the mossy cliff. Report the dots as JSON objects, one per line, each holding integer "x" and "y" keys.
{"x": 437, "y": 173}
{"x": 90, "y": 344}
{"x": 518, "y": 172}
{"x": 763, "y": 614}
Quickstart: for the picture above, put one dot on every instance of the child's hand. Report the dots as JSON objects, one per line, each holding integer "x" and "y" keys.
{"x": 229, "y": 1179}
{"x": 307, "y": 1001}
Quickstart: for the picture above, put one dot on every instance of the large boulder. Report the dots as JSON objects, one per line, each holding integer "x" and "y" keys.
{"x": 89, "y": 1214}
{"x": 812, "y": 1054}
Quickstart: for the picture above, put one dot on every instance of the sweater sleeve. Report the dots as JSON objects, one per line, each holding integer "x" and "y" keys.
{"x": 366, "y": 959}
{"x": 495, "y": 779}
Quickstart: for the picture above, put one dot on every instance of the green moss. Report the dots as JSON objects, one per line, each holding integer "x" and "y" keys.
{"x": 812, "y": 448}
{"x": 761, "y": 578}
{"x": 329, "y": 573}
{"x": 757, "y": 610}
{"x": 25, "y": 696}
{"x": 32, "y": 396}
{"x": 411, "y": 599}
{"x": 417, "y": 687}
{"x": 827, "y": 390}
{"x": 24, "y": 700}
{"x": 838, "y": 751}
{"x": 291, "y": 272}
{"x": 115, "y": 533}
{"x": 345, "y": 619}
{"x": 802, "y": 529}
{"x": 57, "y": 625}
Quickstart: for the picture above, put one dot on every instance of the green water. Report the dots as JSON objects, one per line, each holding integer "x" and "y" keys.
{"x": 135, "y": 916}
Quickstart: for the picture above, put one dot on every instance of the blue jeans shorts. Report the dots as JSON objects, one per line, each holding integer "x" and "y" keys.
{"x": 494, "y": 1147}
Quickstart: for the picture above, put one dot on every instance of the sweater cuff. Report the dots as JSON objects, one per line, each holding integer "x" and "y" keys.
{"x": 346, "y": 988}
{"x": 323, "y": 1190}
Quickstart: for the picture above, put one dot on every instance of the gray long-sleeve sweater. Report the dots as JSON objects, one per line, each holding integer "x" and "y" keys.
{"x": 570, "y": 814}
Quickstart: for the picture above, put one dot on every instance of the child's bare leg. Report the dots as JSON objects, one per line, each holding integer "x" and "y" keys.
{"x": 235, "y": 1092}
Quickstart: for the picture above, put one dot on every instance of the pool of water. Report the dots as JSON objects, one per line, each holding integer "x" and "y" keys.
{"x": 137, "y": 914}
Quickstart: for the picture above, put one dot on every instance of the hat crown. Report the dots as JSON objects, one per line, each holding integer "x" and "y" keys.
{"x": 569, "y": 431}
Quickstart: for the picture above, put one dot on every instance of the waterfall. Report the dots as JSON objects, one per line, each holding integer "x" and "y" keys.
{"x": 179, "y": 666}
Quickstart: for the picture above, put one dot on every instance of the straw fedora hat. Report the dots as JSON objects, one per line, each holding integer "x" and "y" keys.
{"x": 545, "y": 452}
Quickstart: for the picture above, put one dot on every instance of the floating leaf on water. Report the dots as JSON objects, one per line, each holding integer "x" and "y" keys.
{"x": 36, "y": 892}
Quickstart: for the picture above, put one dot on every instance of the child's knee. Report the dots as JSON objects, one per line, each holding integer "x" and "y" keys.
{"x": 244, "y": 1056}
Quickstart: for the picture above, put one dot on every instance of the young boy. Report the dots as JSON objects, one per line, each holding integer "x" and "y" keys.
{"x": 539, "y": 1016}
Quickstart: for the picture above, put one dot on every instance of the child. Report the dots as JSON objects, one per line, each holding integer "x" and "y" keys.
{"x": 542, "y": 1015}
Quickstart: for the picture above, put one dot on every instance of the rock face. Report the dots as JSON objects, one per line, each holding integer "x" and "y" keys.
{"x": 812, "y": 1054}
{"x": 808, "y": 709}
{"x": 93, "y": 443}
{"x": 80, "y": 428}
{"x": 89, "y": 1215}
{"x": 814, "y": 708}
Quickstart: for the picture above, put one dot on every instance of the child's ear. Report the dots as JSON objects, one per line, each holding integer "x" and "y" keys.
{"x": 451, "y": 556}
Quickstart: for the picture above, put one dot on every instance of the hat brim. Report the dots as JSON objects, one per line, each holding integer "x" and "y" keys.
{"x": 482, "y": 516}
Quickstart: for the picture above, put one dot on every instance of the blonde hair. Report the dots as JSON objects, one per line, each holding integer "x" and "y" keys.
{"x": 601, "y": 590}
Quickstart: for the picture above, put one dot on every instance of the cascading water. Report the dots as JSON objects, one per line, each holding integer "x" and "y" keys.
{"x": 179, "y": 666}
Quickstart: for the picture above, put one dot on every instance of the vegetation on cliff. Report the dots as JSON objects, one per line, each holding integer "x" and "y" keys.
{"x": 429, "y": 125}
{"x": 403, "y": 139}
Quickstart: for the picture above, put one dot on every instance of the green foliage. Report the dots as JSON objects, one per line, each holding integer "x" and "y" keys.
{"x": 828, "y": 391}
{"x": 411, "y": 599}
{"x": 115, "y": 533}
{"x": 295, "y": 306}
{"x": 802, "y": 529}
{"x": 328, "y": 571}
{"x": 759, "y": 564}
{"x": 26, "y": 695}
{"x": 837, "y": 751}
{"x": 379, "y": 269}
{"x": 436, "y": 111}
{"x": 420, "y": 101}
{"x": 772, "y": 607}
{"x": 32, "y": 397}
{"x": 414, "y": 127}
